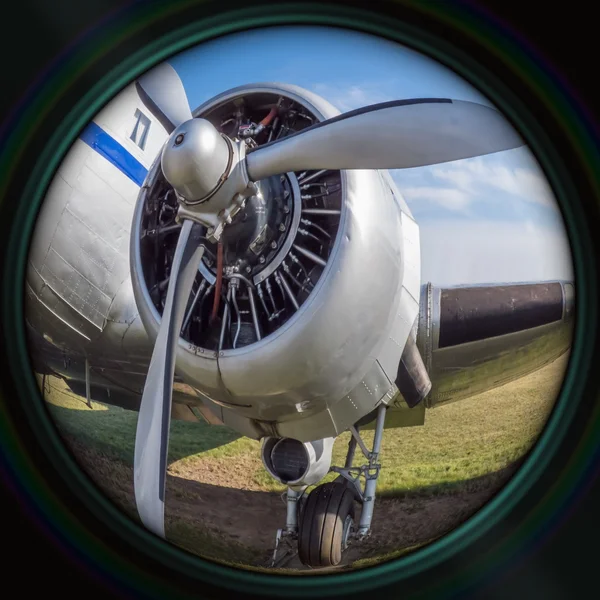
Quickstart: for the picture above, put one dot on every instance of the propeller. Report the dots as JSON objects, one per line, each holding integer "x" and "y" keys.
{"x": 392, "y": 135}
{"x": 213, "y": 177}
{"x": 163, "y": 93}
{"x": 152, "y": 435}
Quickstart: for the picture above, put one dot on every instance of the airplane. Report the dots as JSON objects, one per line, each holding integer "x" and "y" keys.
{"x": 253, "y": 264}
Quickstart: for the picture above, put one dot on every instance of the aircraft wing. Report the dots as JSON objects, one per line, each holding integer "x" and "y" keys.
{"x": 472, "y": 339}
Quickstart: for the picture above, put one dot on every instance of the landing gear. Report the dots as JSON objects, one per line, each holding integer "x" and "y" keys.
{"x": 326, "y": 524}
{"x": 320, "y": 525}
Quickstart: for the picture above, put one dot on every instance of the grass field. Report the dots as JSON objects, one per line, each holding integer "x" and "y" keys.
{"x": 468, "y": 447}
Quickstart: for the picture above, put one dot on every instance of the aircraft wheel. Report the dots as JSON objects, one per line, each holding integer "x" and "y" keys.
{"x": 325, "y": 525}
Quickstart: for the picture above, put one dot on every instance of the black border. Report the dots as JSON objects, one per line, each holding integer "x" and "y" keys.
{"x": 40, "y": 39}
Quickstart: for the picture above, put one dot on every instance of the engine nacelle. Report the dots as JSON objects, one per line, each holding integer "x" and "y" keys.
{"x": 295, "y": 463}
{"x": 320, "y": 288}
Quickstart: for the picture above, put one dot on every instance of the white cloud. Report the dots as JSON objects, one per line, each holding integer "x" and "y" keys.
{"x": 450, "y": 198}
{"x": 509, "y": 181}
{"x": 473, "y": 175}
{"x": 351, "y": 97}
{"x": 464, "y": 252}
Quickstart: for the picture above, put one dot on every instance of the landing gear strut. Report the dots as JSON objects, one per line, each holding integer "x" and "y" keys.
{"x": 320, "y": 525}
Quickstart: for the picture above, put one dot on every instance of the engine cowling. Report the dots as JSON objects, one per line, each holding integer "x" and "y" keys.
{"x": 315, "y": 305}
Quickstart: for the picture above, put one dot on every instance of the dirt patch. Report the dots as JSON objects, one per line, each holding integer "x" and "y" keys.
{"x": 229, "y": 472}
{"x": 239, "y": 525}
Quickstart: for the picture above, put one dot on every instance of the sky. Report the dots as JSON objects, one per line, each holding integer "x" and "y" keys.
{"x": 482, "y": 220}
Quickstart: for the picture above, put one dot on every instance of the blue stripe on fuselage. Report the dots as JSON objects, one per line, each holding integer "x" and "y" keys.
{"x": 96, "y": 138}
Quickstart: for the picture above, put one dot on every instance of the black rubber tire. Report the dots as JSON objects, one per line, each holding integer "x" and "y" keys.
{"x": 321, "y": 524}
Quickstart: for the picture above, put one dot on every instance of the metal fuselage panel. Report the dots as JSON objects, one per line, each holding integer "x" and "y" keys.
{"x": 79, "y": 297}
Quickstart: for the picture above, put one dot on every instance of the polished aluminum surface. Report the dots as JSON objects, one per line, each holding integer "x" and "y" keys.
{"x": 391, "y": 135}
{"x": 152, "y": 434}
{"x": 78, "y": 288}
{"x": 196, "y": 159}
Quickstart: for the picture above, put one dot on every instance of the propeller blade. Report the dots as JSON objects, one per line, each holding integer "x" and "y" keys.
{"x": 162, "y": 91}
{"x": 152, "y": 435}
{"x": 392, "y": 135}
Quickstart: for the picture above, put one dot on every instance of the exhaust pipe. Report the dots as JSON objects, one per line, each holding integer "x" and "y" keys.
{"x": 295, "y": 463}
